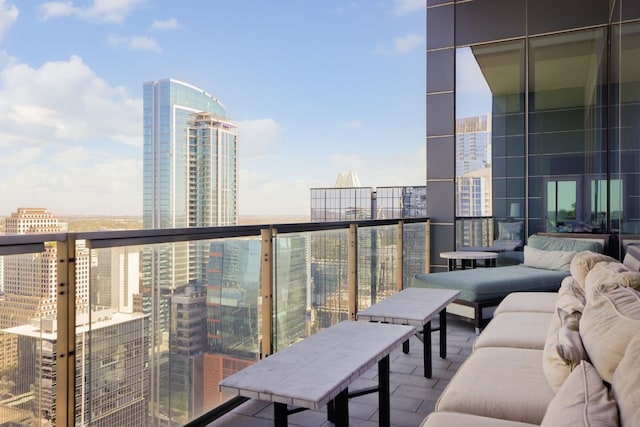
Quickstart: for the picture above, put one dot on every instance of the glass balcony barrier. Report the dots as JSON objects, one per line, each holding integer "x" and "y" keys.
{"x": 138, "y": 327}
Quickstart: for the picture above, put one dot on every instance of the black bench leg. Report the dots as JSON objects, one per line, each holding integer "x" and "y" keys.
{"x": 280, "y": 414}
{"x": 384, "y": 406}
{"x": 443, "y": 333}
{"x": 426, "y": 348}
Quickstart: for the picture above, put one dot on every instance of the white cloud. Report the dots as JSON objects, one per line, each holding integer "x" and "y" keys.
{"x": 135, "y": 43}
{"x": 74, "y": 156}
{"x": 109, "y": 188}
{"x": 258, "y": 137}
{"x": 169, "y": 24}
{"x": 21, "y": 156}
{"x": 406, "y": 44}
{"x": 8, "y": 15}
{"x": 114, "y": 11}
{"x": 404, "y": 7}
{"x": 144, "y": 43}
{"x": 61, "y": 126}
{"x": 401, "y": 45}
{"x": 262, "y": 194}
{"x": 65, "y": 101}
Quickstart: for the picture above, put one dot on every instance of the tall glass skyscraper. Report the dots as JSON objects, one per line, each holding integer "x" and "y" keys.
{"x": 190, "y": 180}
{"x": 190, "y": 174}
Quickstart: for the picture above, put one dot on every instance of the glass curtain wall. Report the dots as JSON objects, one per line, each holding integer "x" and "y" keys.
{"x": 547, "y": 108}
{"x": 490, "y": 133}
{"x": 625, "y": 124}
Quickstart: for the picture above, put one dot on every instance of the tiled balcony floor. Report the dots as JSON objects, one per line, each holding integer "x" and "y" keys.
{"x": 412, "y": 395}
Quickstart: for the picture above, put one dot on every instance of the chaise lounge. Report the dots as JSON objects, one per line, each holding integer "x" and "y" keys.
{"x": 546, "y": 264}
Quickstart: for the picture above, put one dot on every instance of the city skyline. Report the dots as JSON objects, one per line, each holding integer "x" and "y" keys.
{"x": 313, "y": 87}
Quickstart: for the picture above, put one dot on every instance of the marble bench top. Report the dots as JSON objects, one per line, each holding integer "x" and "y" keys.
{"x": 315, "y": 370}
{"x": 411, "y": 306}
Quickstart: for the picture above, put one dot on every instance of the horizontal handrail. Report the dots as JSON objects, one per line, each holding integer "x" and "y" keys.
{"x": 27, "y": 243}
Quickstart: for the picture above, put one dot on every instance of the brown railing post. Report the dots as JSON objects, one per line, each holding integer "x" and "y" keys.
{"x": 266, "y": 289}
{"x": 400, "y": 256}
{"x": 66, "y": 338}
{"x": 428, "y": 246}
{"x": 352, "y": 259}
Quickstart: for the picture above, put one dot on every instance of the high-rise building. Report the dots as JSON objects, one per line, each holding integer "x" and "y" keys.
{"x": 112, "y": 368}
{"x": 112, "y": 346}
{"x": 189, "y": 177}
{"x": 30, "y": 281}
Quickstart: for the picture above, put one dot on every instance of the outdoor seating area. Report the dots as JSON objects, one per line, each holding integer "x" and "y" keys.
{"x": 542, "y": 270}
{"x": 552, "y": 357}
{"x": 412, "y": 395}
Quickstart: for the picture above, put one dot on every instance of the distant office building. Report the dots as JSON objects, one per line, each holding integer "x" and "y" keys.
{"x": 112, "y": 368}
{"x": 349, "y": 201}
{"x": 30, "y": 297}
{"x": 187, "y": 342}
{"x": 234, "y": 300}
{"x": 375, "y": 248}
{"x": 32, "y": 221}
{"x": 115, "y": 278}
{"x": 30, "y": 281}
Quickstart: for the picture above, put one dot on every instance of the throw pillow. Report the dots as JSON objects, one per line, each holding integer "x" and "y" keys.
{"x": 610, "y": 272}
{"x": 611, "y": 318}
{"x": 510, "y": 230}
{"x": 570, "y": 296}
{"x": 563, "y": 348}
{"x": 584, "y": 261}
{"x": 625, "y": 386}
{"x": 631, "y": 262}
{"x": 549, "y": 243}
{"x": 583, "y": 400}
{"x": 549, "y": 260}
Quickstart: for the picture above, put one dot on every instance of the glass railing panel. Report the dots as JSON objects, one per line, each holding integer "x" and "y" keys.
{"x": 28, "y": 336}
{"x": 328, "y": 284}
{"x": 377, "y": 258}
{"x": 292, "y": 287}
{"x": 159, "y": 325}
{"x": 414, "y": 251}
{"x": 167, "y": 323}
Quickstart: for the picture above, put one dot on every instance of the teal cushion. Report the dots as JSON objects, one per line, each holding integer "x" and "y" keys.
{"x": 483, "y": 284}
{"x": 564, "y": 244}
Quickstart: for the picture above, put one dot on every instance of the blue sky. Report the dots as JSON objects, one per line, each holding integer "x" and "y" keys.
{"x": 316, "y": 88}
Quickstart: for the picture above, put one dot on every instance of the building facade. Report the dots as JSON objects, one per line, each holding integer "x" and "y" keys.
{"x": 112, "y": 368}
{"x": 563, "y": 92}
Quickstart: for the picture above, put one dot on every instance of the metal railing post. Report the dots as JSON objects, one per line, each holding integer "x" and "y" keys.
{"x": 66, "y": 338}
{"x": 428, "y": 246}
{"x": 266, "y": 289}
{"x": 352, "y": 260}
{"x": 400, "y": 256}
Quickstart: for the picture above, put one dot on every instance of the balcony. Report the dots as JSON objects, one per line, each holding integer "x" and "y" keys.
{"x": 120, "y": 347}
